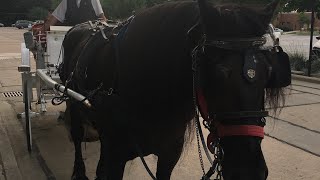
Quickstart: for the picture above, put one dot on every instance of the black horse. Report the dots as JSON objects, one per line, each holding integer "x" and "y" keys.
{"x": 143, "y": 84}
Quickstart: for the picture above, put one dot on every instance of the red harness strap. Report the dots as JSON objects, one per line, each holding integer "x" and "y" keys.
{"x": 230, "y": 130}
{"x": 202, "y": 104}
{"x": 240, "y": 130}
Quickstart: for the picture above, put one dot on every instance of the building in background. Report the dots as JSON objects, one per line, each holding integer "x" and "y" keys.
{"x": 291, "y": 21}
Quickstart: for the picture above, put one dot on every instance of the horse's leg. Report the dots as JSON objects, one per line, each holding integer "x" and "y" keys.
{"x": 101, "y": 164}
{"x": 168, "y": 158}
{"x": 77, "y": 132}
{"x": 111, "y": 163}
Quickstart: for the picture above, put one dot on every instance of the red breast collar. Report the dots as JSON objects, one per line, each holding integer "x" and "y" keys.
{"x": 240, "y": 130}
{"x": 227, "y": 130}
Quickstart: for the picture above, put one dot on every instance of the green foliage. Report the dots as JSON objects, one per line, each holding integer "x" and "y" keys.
{"x": 243, "y": 1}
{"x": 315, "y": 66}
{"x": 12, "y": 10}
{"x": 303, "y": 19}
{"x": 54, "y": 4}
{"x": 297, "y": 61}
{"x": 118, "y": 9}
{"x": 149, "y": 3}
{"x": 37, "y": 13}
{"x": 301, "y": 6}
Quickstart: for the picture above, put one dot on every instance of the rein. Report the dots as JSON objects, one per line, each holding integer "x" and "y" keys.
{"x": 237, "y": 43}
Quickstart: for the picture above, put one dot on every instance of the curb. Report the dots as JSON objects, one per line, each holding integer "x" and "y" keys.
{"x": 305, "y": 78}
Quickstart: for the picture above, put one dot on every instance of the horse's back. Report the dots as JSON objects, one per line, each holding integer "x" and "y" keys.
{"x": 155, "y": 65}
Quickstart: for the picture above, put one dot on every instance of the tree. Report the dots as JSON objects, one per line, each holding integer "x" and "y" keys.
{"x": 12, "y": 10}
{"x": 119, "y": 9}
{"x": 303, "y": 19}
{"x": 150, "y": 3}
{"x": 302, "y": 6}
{"x": 54, "y": 4}
{"x": 37, "y": 13}
{"x": 243, "y": 1}
{"x": 299, "y": 5}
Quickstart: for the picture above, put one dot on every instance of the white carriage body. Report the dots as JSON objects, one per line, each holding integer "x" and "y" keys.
{"x": 54, "y": 47}
{"x": 49, "y": 54}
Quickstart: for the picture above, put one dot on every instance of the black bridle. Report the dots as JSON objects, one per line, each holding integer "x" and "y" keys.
{"x": 230, "y": 44}
{"x": 223, "y": 43}
{"x": 233, "y": 44}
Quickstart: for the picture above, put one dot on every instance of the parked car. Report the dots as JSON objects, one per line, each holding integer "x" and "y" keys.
{"x": 30, "y": 26}
{"x": 20, "y": 24}
{"x": 275, "y": 35}
{"x": 1, "y": 25}
{"x": 278, "y": 30}
{"x": 38, "y": 22}
{"x": 316, "y": 48}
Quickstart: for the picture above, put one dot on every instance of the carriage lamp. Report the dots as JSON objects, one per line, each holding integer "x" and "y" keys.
{"x": 28, "y": 38}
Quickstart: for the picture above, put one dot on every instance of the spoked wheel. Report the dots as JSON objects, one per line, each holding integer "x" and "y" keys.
{"x": 27, "y": 115}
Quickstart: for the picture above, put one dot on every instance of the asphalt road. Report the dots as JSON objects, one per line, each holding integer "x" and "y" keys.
{"x": 293, "y": 43}
{"x": 291, "y": 145}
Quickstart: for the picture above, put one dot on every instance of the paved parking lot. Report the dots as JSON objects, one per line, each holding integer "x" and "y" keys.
{"x": 293, "y": 43}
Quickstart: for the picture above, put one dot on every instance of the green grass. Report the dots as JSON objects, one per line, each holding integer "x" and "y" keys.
{"x": 299, "y": 62}
{"x": 304, "y": 33}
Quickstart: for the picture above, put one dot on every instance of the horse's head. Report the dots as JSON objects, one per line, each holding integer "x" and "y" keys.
{"x": 235, "y": 71}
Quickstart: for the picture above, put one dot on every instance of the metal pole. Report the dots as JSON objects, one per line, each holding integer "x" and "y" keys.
{"x": 311, "y": 37}
{"x": 51, "y": 83}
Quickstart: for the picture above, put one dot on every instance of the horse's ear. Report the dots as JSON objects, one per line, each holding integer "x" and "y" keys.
{"x": 208, "y": 13}
{"x": 272, "y": 6}
{"x": 204, "y": 10}
{"x": 269, "y": 11}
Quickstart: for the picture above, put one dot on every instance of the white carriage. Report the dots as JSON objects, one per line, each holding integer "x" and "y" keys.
{"x": 44, "y": 77}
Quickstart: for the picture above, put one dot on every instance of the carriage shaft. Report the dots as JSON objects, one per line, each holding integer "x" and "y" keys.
{"x": 53, "y": 84}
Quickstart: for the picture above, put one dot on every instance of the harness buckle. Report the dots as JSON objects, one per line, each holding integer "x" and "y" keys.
{"x": 110, "y": 91}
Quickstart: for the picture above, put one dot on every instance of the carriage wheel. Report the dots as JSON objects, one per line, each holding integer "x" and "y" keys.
{"x": 27, "y": 115}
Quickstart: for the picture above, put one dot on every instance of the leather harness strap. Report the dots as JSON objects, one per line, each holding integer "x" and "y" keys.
{"x": 240, "y": 130}
{"x": 231, "y": 130}
{"x": 241, "y": 43}
{"x": 215, "y": 118}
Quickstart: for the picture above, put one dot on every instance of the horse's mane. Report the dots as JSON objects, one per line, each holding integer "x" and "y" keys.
{"x": 233, "y": 20}
{"x": 275, "y": 99}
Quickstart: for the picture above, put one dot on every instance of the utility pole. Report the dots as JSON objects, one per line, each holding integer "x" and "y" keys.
{"x": 311, "y": 36}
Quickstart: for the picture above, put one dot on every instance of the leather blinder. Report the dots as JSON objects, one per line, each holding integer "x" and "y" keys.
{"x": 250, "y": 66}
{"x": 281, "y": 70}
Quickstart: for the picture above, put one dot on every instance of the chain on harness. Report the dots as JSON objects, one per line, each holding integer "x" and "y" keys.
{"x": 59, "y": 99}
{"x": 196, "y": 55}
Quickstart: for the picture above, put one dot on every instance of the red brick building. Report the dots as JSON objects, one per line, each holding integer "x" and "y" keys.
{"x": 290, "y": 21}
